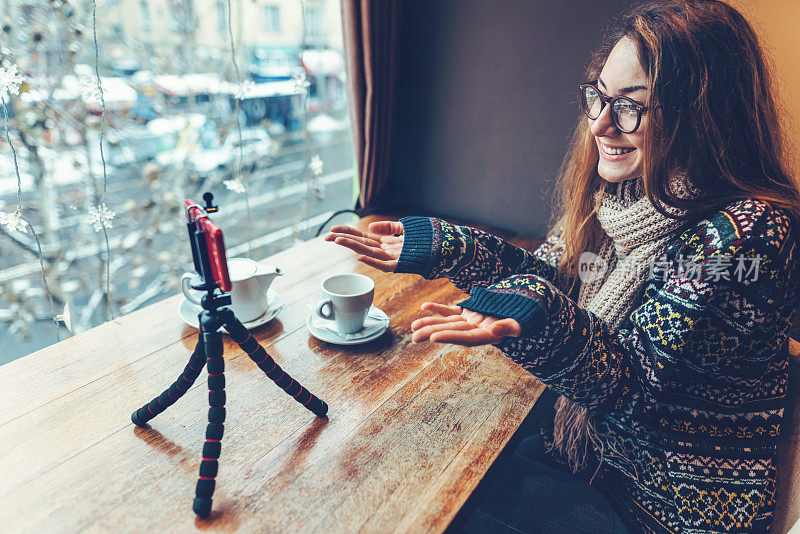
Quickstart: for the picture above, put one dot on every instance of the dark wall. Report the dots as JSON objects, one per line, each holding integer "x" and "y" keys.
{"x": 486, "y": 104}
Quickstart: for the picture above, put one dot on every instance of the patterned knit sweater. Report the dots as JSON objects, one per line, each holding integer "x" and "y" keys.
{"x": 691, "y": 387}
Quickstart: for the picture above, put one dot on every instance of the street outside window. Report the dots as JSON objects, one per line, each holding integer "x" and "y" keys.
{"x": 88, "y": 235}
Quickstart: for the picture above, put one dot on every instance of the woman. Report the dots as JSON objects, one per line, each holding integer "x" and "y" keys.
{"x": 665, "y": 343}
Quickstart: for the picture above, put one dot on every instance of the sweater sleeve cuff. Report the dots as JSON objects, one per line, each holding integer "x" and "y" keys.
{"x": 417, "y": 254}
{"x": 528, "y": 312}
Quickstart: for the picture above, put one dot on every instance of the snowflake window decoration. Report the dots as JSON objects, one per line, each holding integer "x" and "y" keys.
{"x": 13, "y": 221}
{"x": 100, "y": 217}
{"x": 235, "y": 185}
{"x": 10, "y": 80}
{"x": 316, "y": 165}
{"x": 89, "y": 89}
{"x": 301, "y": 83}
{"x": 245, "y": 89}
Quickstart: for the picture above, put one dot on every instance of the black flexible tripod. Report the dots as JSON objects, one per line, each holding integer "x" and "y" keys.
{"x": 209, "y": 350}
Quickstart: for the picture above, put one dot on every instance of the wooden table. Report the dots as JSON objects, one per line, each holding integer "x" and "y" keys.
{"x": 412, "y": 428}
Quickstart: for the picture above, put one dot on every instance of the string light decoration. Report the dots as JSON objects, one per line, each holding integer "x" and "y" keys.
{"x": 10, "y": 82}
{"x": 101, "y": 215}
{"x": 245, "y": 88}
{"x": 313, "y": 164}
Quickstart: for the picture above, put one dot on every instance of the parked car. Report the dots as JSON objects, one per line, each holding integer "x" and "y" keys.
{"x": 257, "y": 152}
{"x": 324, "y": 128}
{"x": 131, "y": 145}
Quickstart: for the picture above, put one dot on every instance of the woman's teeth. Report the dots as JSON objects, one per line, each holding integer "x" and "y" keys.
{"x": 616, "y": 151}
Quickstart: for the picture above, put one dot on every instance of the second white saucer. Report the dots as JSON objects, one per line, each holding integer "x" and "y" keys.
{"x": 324, "y": 334}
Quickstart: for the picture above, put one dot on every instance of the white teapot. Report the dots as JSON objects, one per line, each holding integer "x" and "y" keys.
{"x": 250, "y": 280}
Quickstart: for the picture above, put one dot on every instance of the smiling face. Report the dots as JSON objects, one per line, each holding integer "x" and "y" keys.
{"x": 621, "y": 156}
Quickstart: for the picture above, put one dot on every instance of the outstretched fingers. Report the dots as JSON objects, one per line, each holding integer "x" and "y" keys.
{"x": 467, "y": 338}
{"x": 343, "y": 229}
{"x": 441, "y": 309}
{"x": 333, "y": 236}
{"x": 426, "y": 332}
{"x": 360, "y": 248}
{"x": 434, "y": 319}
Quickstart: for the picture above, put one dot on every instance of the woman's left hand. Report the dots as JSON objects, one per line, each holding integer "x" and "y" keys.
{"x": 462, "y": 327}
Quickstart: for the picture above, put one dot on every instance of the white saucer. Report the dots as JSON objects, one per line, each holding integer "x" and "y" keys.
{"x": 323, "y": 334}
{"x": 188, "y": 311}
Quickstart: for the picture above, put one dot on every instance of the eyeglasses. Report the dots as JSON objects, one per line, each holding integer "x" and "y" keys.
{"x": 626, "y": 114}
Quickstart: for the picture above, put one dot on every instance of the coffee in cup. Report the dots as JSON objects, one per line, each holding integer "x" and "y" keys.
{"x": 346, "y": 301}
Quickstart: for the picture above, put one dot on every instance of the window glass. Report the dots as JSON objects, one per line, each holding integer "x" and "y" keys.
{"x": 144, "y": 13}
{"x": 265, "y": 128}
{"x": 272, "y": 18}
{"x": 222, "y": 18}
{"x": 314, "y": 23}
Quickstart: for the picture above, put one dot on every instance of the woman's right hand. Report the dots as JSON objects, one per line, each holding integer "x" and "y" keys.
{"x": 379, "y": 248}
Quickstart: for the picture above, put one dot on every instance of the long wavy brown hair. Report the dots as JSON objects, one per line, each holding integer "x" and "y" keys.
{"x": 713, "y": 115}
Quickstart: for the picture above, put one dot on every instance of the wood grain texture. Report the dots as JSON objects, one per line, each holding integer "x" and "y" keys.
{"x": 412, "y": 428}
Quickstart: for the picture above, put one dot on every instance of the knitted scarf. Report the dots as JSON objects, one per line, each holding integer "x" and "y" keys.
{"x": 635, "y": 234}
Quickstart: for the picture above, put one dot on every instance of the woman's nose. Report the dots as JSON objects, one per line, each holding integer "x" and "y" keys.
{"x": 603, "y": 125}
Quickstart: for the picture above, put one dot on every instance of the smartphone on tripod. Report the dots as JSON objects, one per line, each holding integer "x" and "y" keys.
{"x": 208, "y": 253}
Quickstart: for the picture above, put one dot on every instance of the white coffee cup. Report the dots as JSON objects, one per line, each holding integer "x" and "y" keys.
{"x": 250, "y": 281}
{"x": 348, "y": 298}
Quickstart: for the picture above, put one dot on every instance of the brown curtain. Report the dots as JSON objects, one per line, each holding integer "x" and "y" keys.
{"x": 370, "y": 36}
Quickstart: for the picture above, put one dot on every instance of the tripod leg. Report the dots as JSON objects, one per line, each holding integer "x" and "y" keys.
{"x": 190, "y": 373}
{"x": 265, "y": 362}
{"x": 216, "y": 418}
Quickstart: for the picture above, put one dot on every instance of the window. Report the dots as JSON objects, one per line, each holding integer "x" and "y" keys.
{"x": 222, "y": 18}
{"x": 117, "y": 33}
{"x": 173, "y": 111}
{"x": 144, "y": 14}
{"x": 272, "y": 18}
{"x": 314, "y": 25}
{"x": 27, "y": 13}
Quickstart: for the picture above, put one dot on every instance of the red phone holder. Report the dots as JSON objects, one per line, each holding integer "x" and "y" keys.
{"x": 208, "y": 252}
